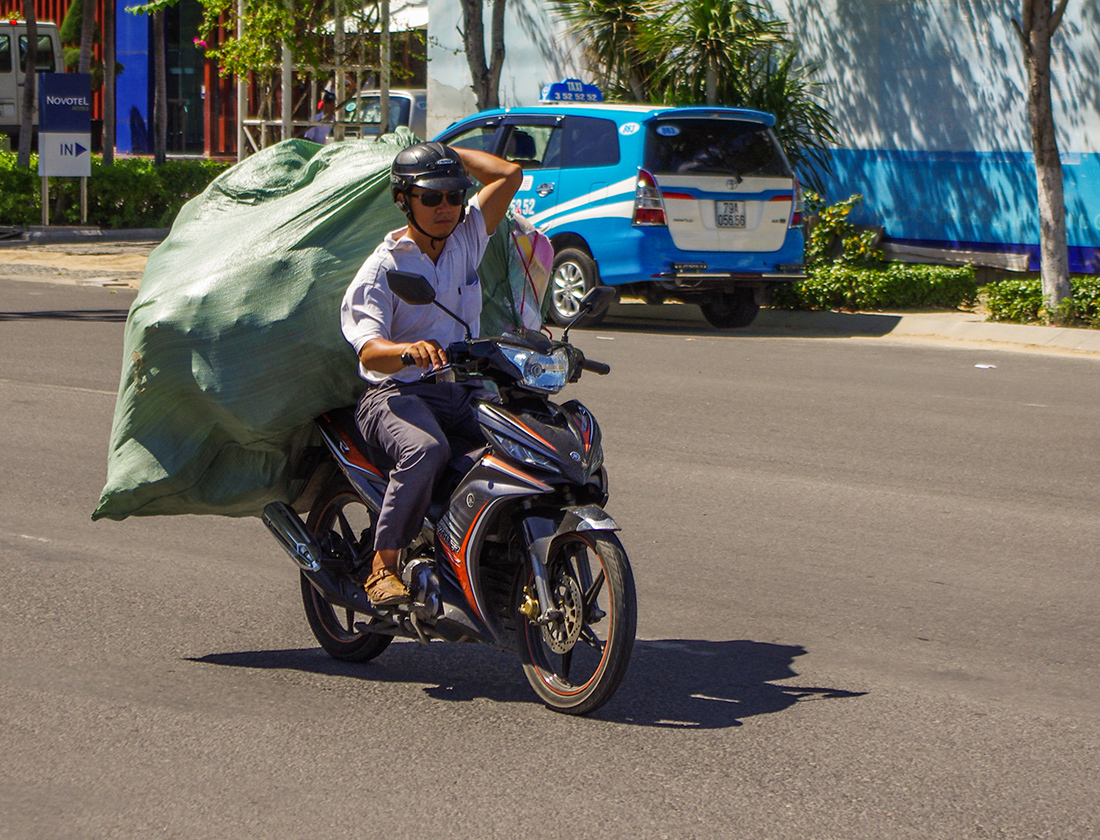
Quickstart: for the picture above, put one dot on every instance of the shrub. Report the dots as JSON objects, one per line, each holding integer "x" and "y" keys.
{"x": 20, "y": 202}
{"x": 845, "y": 270}
{"x": 894, "y": 286}
{"x": 1021, "y": 302}
{"x": 828, "y": 230}
{"x": 133, "y": 193}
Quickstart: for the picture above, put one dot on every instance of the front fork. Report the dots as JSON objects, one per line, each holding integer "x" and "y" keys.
{"x": 540, "y": 532}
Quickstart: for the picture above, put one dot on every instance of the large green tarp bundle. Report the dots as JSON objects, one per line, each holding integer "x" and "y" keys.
{"x": 233, "y": 344}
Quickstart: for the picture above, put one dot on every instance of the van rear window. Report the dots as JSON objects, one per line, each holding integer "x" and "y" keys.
{"x": 370, "y": 110}
{"x": 5, "y": 54}
{"x": 44, "y": 62}
{"x": 713, "y": 147}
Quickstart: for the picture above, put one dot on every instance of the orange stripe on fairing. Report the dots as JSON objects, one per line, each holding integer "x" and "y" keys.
{"x": 458, "y": 562}
{"x": 508, "y": 468}
{"x": 354, "y": 456}
{"x": 531, "y": 431}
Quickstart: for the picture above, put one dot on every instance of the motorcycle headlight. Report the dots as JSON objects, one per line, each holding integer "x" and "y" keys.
{"x": 524, "y": 454}
{"x": 547, "y": 374}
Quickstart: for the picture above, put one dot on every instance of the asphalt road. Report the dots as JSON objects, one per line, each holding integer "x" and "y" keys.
{"x": 867, "y": 587}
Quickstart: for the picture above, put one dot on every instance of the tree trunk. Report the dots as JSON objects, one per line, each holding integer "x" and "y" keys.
{"x": 486, "y": 78}
{"x": 160, "y": 95}
{"x": 712, "y": 81}
{"x": 30, "y": 92}
{"x": 497, "y": 61}
{"x": 87, "y": 36}
{"x": 109, "y": 83}
{"x": 1039, "y": 22}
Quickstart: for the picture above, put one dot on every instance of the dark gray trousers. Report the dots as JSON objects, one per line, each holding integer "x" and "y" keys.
{"x": 412, "y": 422}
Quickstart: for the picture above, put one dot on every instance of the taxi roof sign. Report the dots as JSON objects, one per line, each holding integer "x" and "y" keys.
{"x": 570, "y": 90}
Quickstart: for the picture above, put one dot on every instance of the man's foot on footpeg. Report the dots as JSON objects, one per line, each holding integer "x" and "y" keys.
{"x": 385, "y": 589}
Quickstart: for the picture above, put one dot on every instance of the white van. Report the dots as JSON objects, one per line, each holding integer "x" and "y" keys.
{"x": 13, "y": 61}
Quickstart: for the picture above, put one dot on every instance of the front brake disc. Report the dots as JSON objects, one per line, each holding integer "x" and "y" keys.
{"x": 562, "y": 634}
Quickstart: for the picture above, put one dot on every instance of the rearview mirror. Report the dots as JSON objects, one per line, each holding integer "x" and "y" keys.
{"x": 414, "y": 289}
{"x": 598, "y": 299}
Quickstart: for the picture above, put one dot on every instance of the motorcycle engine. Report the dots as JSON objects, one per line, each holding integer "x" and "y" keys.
{"x": 420, "y": 579}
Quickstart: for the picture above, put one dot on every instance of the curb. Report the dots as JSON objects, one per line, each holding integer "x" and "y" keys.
{"x": 954, "y": 326}
{"x": 69, "y": 235}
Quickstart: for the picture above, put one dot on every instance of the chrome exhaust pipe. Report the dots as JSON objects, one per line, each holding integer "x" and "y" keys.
{"x": 293, "y": 536}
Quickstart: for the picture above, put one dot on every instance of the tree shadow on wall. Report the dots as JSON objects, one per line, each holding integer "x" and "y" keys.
{"x": 947, "y": 79}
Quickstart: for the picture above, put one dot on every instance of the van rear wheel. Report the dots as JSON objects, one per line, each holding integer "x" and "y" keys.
{"x": 730, "y": 310}
{"x": 574, "y": 274}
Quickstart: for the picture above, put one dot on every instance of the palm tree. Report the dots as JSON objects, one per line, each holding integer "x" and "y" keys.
{"x": 703, "y": 45}
{"x": 782, "y": 86}
{"x": 609, "y": 32}
{"x": 715, "y": 51}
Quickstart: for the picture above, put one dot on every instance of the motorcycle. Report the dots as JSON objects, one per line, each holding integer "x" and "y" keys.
{"x": 516, "y": 550}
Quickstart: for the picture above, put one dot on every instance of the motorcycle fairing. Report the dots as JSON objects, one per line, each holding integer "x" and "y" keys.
{"x": 461, "y": 530}
{"x": 554, "y": 449}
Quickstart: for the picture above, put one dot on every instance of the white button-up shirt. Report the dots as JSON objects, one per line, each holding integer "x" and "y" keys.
{"x": 370, "y": 310}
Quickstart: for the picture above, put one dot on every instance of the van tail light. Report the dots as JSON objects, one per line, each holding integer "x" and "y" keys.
{"x": 796, "y": 206}
{"x": 649, "y": 208}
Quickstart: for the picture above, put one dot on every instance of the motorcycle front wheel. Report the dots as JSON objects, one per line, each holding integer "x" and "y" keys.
{"x": 576, "y": 662}
{"x": 341, "y": 519}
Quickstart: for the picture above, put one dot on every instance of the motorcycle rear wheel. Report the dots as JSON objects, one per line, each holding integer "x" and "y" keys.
{"x": 575, "y": 664}
{"x": 340, "y": 510}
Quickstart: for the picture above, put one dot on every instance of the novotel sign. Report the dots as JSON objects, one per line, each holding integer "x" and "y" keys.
{"x": 68, "y": 100}
{"x": 65, "y": 125}
{"x": 65, "y": 103}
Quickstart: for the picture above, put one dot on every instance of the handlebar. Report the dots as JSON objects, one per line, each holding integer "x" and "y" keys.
{"x": 596, "y": 367}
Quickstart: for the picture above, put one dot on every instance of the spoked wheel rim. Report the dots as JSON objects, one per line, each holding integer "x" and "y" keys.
{"x": 569, "y": 288}
{"x": 343, "y": 525}
{"x": 576, "y": 662}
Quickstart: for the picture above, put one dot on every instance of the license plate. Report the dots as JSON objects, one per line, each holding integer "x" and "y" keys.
{"x": 730, "y": 214}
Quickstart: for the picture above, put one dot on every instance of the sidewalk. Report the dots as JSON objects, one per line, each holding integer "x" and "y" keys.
{"x": 117, "y": 262}
{"x": 944, "y": 325}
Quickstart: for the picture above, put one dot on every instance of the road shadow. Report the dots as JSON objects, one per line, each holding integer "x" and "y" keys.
{"x": 114, "y": 316}
{"x": 671, "y": 683}
{"x": 769, "y": 323}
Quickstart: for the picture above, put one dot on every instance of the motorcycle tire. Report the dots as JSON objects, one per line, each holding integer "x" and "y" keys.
{"x": 339, "y": 509}
{"x": 576, "y": 663}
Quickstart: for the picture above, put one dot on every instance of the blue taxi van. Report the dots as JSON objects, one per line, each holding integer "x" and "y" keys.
{"x": 696, "y": 204}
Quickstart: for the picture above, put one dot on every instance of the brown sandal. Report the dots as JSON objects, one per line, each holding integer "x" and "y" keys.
{"x": 384, "y": 589}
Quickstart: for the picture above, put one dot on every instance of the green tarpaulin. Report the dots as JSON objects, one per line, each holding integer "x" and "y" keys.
{"x": 233, "y": 344}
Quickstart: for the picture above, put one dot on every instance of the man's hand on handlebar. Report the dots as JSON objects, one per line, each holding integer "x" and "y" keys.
{"x": 427, "y": 355}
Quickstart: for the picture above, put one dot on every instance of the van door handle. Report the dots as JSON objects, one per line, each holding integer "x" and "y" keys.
{"x": 544, "y": 189}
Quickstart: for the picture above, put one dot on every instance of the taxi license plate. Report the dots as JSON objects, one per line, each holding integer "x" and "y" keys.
{"x": 730, "y": 214}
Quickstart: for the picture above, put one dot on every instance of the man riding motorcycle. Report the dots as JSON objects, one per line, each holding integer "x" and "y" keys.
{"x": 408, "y": 419}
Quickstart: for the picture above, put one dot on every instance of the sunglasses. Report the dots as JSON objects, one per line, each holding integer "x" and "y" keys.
{"x": 433, "y": 198}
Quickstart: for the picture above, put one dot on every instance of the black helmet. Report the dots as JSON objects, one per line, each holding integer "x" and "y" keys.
{"x": 431, "y": 166}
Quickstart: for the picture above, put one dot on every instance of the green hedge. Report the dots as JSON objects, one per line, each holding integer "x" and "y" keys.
{"x": 893, "y": 286}
{"x": 845, "y": 269}
{"x": 133, "y": 193}
{"x": 1021, "y": 302}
